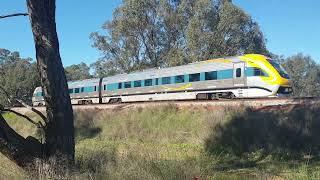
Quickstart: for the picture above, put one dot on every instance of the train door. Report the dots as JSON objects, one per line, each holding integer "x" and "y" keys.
{"x": 239, "y": 78}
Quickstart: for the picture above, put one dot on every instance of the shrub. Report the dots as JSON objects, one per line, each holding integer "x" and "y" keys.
{"x": 290, "y": 133}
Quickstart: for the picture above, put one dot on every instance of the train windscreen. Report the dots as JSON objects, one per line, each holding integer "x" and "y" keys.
{"x": 283, "y": 73}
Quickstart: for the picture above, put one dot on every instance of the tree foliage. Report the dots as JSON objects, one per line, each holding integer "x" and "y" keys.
{"x": 305, "y": 75}
{"x": 18, "y": 76}
{"x": 160, "y": 33}
{"x": 77, "y": 72}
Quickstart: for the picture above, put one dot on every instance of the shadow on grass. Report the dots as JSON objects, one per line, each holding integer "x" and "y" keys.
{"x": 252, "y": 135}
{"x": 85, "y": 126}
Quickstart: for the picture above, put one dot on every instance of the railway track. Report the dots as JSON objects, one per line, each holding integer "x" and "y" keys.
{"x": 255, "y": 103}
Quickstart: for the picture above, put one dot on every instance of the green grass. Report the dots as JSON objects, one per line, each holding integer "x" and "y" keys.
{"x": 24, "y": 127}
{"x": 168, "y": 142}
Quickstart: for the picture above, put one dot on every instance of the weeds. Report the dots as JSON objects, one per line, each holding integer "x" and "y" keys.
{"x": 167, "y": 142}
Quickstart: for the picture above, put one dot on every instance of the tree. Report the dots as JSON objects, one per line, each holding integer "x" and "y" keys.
{"x": 134, "y": 40}
{"x": 160, "y": 33}
{"x": 304, "y": 74}
{"x": 59, "y": 132}
{"x": 18, "y": 76}
{"x": 58, "y": 128}
{"x": 103, "y": 68}
{"x": 77, "y": 72}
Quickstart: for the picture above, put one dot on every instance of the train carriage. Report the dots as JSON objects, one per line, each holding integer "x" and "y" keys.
{"x": 85, "y": 91}
{"x": 248, "y": 76}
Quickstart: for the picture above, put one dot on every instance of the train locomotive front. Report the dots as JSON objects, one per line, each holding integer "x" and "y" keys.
{"x": 266, "y": 77}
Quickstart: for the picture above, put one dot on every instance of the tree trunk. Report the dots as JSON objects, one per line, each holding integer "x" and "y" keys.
{"x": 59, "y": 132}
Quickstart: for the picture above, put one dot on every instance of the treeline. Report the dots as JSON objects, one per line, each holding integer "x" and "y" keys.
{"x": 160, "y": 33}
{"x": 18, "y": 76}
{"x": 304, "y": 73}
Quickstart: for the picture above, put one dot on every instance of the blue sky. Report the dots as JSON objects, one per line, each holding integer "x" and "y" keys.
{"x": 290, "y": 26}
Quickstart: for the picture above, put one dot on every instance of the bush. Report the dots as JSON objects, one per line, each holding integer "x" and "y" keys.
{"x": 287, "y": 133}
{"x": 85, "y": 126}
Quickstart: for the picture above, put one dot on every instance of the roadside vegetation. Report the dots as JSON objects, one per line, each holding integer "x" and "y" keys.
{"x": 171, "y": 142}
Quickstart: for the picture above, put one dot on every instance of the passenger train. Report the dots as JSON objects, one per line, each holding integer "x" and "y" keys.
{"x": 247, "y": 76}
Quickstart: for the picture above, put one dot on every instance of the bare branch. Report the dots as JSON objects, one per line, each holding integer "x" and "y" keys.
{"x": 10, "y": 99}
{"x": 13, "y": 15}
{"x": 43, "y": 117}
{"x": 38, "y": 124}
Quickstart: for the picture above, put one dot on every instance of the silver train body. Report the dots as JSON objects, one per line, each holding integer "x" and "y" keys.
{"x": 236, "y": 77}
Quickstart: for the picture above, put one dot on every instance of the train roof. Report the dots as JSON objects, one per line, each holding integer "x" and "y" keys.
{"x": 84, "y": 83}
{"x": 195, "y": 67}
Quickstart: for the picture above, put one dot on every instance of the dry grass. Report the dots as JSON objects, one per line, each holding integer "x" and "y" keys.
{"x": 293, "y": 134}
{"x": 177, "y": 143}
{"x": 9, "y": 170}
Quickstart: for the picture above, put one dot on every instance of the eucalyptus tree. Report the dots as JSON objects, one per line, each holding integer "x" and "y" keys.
{"x": 159, "y": 33}
{"x": 77, "y": 72}
{"x": 305, "y": 75}
{"x": 18, "y": 76}
{"x": 58, "y": 124}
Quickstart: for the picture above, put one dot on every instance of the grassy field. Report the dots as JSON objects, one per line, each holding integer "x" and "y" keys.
{"x": 188, "y": 143}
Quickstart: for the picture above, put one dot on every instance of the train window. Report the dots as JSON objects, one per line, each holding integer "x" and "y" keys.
{"x": 105, "y": 87}
{"x": 225, "y": 74}
{"x": 157, "y": 81}
{"x": 238, "y": 72}
{"x": 39, "y": 94}
{"x": 95, "y": 88}
{"x": 112, "y": 87}
{"x": 194, "y": 77}
{"x": 249, "y": 71}
{"x": 264, "y": 73}
{"x": 259, "y": 72}
{"x": 283, "y": 73}
{"x": 76, "y": 90}
{"x": 166, "y": 80}
{"x": 137, "y": 83}
{"x": 148, "y": 82}
{"x": 70, "y": 91}
{"x": 119, "y": 85}
{"x": 82, "y": 89}
{"x": 127, "y": 84}
{"x": 179, "y": 79}
{"x": 255, "y": 72}
{"x": 211, "y": 75}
